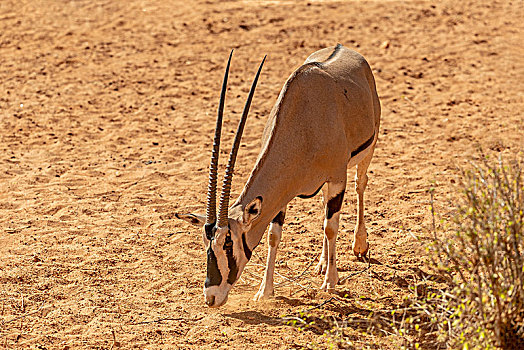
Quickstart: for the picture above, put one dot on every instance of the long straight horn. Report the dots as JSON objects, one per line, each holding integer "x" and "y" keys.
{"x": 211, "y": 207}
{"x": 226, "y": 185}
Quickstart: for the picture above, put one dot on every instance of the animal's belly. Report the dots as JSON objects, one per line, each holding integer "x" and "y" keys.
{"x": 361, "y": 152}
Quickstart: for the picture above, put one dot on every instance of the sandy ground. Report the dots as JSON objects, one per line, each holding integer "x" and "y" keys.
{"x": 107, "y": 110}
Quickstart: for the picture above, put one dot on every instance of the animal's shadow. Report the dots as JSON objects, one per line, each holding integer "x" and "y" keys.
{"x": 320, "y": 324}
{"x": 255, "y": 318}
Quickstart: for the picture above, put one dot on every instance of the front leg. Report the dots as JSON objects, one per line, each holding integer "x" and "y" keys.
{"x": 323, "y": 261}
{"x": 266, "y": 289}
{"x": 333, "y": 197}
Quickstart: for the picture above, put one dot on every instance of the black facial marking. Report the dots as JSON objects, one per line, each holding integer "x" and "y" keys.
{"x": 279, "y": 219}
{"x": 210, "y": 230}
{"x": 334, "y": 204}
{"x": 247, "y": 251}
{"x": 213, "y": 278}
{"x": 305, "y": 196}
{"x": 363, "y": 146}
{"x": 231, "y": 261}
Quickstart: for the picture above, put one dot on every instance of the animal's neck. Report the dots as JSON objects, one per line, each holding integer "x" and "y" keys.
{"x": 276, "y": 185}
{"x": 281, "y": 171}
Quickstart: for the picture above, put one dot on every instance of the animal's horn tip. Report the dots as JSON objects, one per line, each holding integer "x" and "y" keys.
{"x": 261, "y": 64}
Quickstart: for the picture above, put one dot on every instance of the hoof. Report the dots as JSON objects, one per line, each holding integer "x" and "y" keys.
{"x": 261, "y": 295}
{"x": 321, "y": 267}
{"x": 359, "y": 251}
{"x": 328, "y": 287}
{"x": 330, "y": 281}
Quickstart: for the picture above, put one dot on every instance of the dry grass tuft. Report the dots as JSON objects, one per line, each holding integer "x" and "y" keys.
{"x": 474, "y": 297}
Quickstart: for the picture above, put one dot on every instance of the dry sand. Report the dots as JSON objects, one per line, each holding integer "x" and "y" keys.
{"x": 107, "y": 110}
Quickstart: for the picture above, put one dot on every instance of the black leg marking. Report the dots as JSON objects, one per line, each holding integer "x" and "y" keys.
{"x": 334, "y": 204}
{"x": 279, "y": 219}
{"x": 213, "y": 278}
{"x": 247, "y": 251}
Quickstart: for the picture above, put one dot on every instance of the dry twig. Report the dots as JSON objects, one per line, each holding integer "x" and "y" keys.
{"x": 166, "y": 319}
{"x": 358, "y": 272}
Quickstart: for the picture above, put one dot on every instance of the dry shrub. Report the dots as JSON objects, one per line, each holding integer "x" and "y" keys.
{"x": 474, "y": 299}
{"x": 483, "y": 262}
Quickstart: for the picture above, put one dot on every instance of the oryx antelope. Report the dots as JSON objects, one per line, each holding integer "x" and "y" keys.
{"x": 326, "y": 118}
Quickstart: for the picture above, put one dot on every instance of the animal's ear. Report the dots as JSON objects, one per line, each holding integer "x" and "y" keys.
{"x": 194, "y": 219}
{"x": 252, "y": 211}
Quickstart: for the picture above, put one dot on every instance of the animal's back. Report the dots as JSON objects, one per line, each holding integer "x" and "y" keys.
{"x": 325, "y": 112}
{"x": 342, "y": 77}
{"x": 353, "y": 74}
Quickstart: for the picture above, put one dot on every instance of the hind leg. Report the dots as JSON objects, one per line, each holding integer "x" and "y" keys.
{"x": 322, "y": 263}
{"x": 360, "y": 244}
{"x": 333, "y": 197}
